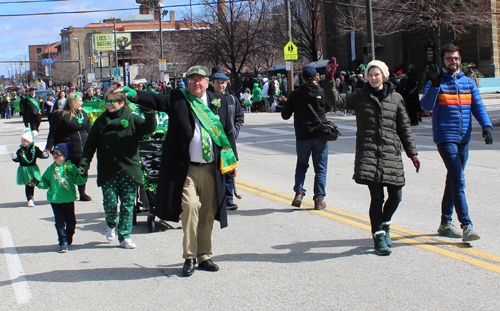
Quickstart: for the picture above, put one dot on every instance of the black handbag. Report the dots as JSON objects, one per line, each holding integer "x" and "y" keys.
{"x": 327, "y": 130}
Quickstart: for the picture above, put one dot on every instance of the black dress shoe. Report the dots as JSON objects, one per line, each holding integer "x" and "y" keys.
{"x": 188, "y": 268}
{"x": 85, "y": 197}
{"x": 232, "y": 206}
{"x": 208, "y": 265}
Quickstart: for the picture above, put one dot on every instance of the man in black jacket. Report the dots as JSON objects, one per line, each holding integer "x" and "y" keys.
{"x": 305, "y": 122}
{"x": 32, "y": 115}
{"x": 198, "y": 149}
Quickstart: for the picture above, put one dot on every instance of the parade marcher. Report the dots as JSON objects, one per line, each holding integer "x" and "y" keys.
{"x": 98, "y": 94}
{"x": 307, "y": 141}
{"x": 32, "y": 112}
{"x": 265, "y": 95}
{"x": 198, "y": 150}
{"x": 115, "y": 136}
{"x": 50, "y": 103}
{"x": 246, "y": 97}
{"x": 257, "y": 97}
{"x": 60, "y": 179}
{"x": 70, "y": 124}
{"x": 219, "y": 82}
{"x": 28, "y": 170}
{"x": 60, "y": 101}
{"x": 89, "y": 95}
{"x": 5, "y": 105}
{"x": 382, "y": 127}
{"x": 453, "y": 99}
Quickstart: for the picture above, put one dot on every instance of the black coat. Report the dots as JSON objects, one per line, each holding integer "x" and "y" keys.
{"x": 304, "y": 121}
{"x": 64, "y": 130}
{"x": 382, "y": 127}
{"x": 175, "y": 154}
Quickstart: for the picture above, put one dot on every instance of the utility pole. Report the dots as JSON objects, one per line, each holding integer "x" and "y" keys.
{"x": 289, "y": 30}
{"x": 161, "y": 33}
{"x": 369, "y": 34}
{"x": 116, "y": 51}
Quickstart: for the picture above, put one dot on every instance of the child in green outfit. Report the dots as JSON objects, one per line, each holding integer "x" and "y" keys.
{"x": 60, "y": 178}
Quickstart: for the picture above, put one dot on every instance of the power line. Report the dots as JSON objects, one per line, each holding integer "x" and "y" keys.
{"x": 43, "y": 1}
{"x": 112, "y": 10}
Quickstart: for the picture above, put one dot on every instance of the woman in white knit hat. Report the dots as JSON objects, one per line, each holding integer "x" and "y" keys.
{"x": 382, "y": 127}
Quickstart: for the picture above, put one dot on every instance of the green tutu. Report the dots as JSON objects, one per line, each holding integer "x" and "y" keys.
{"x": 26, "y": 173}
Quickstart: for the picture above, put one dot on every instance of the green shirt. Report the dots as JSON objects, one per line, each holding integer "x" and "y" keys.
{"x": 61, "y": 183}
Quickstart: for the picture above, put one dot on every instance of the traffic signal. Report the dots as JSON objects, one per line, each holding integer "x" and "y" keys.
{"x": 22, "y": 64}
{"x": 94, "y": 60}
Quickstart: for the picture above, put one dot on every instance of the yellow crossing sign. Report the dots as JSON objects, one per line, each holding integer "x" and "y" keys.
{"x": 291, "y": 52}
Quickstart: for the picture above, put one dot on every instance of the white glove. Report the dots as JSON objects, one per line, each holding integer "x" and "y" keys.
{"x": 13, "y": 155}
{"x": 46, "y": 154}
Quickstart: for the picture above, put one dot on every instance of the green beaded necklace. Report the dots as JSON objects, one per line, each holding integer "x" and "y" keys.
{"x": 62, "y": 178}
{"x": 23, "y": 154}
{"x": 78, "y": 116}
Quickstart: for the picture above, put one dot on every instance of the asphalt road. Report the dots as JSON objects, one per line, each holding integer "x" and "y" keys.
{"x": 272, "y": 256}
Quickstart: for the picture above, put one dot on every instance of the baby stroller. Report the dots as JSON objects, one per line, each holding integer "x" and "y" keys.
{"x": 150, "y": 153}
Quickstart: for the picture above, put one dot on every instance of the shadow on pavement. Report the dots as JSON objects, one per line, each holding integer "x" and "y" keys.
{"x": 103, "y": 274}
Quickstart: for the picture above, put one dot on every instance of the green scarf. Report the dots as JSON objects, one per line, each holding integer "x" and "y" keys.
{"x": 212, "y": 125}
{"x": 33, "y": 101}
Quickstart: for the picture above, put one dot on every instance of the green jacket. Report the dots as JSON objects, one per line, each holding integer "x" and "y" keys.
{"x": 61, "y": 188}
{"x": 256, "y": 93}
{"x": 117, "y": 144}
{"x": 383, "y": 127}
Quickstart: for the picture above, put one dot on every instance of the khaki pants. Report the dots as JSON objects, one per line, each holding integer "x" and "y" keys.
{"x": 199, "y": 206}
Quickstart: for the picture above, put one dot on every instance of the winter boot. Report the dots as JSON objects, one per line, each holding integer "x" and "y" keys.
{"x": 386, "y": 227}
{"x": 381, "y": 247}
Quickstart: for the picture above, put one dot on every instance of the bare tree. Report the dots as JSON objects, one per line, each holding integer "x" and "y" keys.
{"x": 235, "y": 32}
{"x": 391, "y": 16}
{"x": 63, "y": 72}
{"x": 306, "y": 28}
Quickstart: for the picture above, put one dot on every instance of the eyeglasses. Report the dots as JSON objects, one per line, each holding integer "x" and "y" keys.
{"x": 193, "y": 81}
{"x": 110, "y": 102}
{"x": 453, "y": 59}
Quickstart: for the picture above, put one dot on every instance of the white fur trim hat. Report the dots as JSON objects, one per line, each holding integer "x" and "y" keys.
{"x": 379, "y": 64}
{"x": 27, "y": 135}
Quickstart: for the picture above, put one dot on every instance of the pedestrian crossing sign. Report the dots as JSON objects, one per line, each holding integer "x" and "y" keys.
{"x": 291, "y": 52}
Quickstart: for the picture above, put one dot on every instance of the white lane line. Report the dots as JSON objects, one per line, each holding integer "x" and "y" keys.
{"x": 274, "y": 131}
{"x": 4, "y": 149}
{"x": 19, "y": 282}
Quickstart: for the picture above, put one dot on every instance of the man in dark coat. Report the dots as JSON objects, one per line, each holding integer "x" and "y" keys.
{"x": 191, "y": 182}
{"x": 308, "y": 96}
{"x": 31, "y": 109}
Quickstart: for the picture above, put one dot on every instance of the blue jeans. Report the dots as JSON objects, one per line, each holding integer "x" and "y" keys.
{"x": 455, "y": 157}
{"x": 380, "y": 212}
{"x": 319, "y": 150}
{"x": 64, "y": 214}
{"x": 229, "y": 188}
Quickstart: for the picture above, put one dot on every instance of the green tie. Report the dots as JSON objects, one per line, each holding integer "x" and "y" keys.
{"x": 205, "y": 144}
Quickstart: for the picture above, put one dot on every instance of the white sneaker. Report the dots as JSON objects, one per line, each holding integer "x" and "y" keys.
{"x": 31, "y": 203}
{"x": 128, "y": 243}
{"x": 110, "y": 234}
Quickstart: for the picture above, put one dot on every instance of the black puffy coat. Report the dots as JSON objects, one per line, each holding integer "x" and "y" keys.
{"x": 64, "y": 129}
{"x": 382, "y": 127}
{"x": 304, "y": 121}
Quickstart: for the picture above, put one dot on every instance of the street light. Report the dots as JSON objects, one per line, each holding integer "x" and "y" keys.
{"x": 79, "y": 63}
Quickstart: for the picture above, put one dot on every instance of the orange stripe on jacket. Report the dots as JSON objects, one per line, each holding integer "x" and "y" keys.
{"x": 452, "y": 99}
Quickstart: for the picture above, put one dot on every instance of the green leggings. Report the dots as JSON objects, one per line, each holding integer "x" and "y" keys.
{"x": 125, "y": 188}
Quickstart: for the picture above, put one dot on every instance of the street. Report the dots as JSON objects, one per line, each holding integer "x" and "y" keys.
{"x": 272, "y": 256}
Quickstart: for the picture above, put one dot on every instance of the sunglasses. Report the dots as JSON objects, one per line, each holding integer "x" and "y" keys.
{"x": 110, "y": 102}
{"x": 453, "y": 58}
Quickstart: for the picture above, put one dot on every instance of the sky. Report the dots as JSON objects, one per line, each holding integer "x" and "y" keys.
{"x": 16, "y": 33}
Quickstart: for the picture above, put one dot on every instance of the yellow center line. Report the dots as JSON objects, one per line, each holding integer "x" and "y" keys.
{"x": 360, "y": 222}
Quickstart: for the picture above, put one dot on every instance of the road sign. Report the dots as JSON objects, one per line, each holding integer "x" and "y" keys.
{"x": 117, "y": 72}
{"x": 291, "y": 52}
{"x": 48, "y": 61}
{"x": 162, "y": 64}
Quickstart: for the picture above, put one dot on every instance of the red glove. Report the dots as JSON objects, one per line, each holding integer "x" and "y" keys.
{"x": 416, "y": 162}
{"x": 331, "y": 68}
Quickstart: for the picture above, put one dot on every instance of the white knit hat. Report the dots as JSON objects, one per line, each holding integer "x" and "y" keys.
{"x": 379, "y": 64}
{"x": 27, "y": 135}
